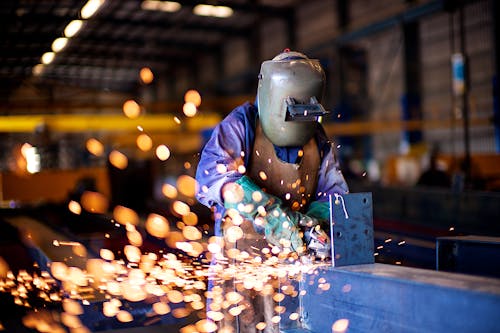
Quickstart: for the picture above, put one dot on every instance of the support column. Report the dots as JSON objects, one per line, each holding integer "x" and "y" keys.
{"x": 495, "y": 13}
{"x": 411, "y": 99}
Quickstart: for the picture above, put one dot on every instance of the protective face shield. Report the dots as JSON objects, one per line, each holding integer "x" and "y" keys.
{"x": 288, "y": 98}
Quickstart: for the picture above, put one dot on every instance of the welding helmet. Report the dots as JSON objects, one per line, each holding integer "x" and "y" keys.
{"x": 288, "y": 98}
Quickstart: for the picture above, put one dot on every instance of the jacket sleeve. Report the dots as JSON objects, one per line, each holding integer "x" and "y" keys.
{"x": 222, "y": 155}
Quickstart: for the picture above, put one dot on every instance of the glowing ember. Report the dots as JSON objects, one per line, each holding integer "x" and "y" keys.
{"x": 157, "y": 226}
{"x": 233, "y": 234}
{"x": 189, "y": 109}
{"x": 131, "y": 109}
{"x": 134, "y": 237}
{"x": 107, "y": 254}
{"x": 124, "y": 316}
{"x": 74, "y": 207}
{"x": 161, "y": 308}
{"x": 232, "y": 193}
{"x": 169, "y": 191}
{"x": 144, "y": 142}
{"x": 340, "y": 326}
{"x": 94, "y": 202}
{"x": 192, "y": 96}
{"x": 191, "y": 233}
{"x": 132, "y": 253}
{"x": 260, "y": 326}
{"x": 187, "y": 185}
{"x": 162, "y": 152}
{"x": 118, "y": 160}
{"x": 146, "y": 75}
{"x": 180, "y": 208}
{"x": 190, "y": 218}
{"x": 124, "y": 215}
{"x": 95, "y": 147}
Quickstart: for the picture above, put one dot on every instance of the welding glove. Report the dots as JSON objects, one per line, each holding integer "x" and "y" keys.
{"x": 278, "y": 223}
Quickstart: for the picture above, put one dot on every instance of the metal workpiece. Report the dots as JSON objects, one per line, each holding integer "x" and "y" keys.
{"x": 351, "y": 232}
{"x": 389, "y": 298}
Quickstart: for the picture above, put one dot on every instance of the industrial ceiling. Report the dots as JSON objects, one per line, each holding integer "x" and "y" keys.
{"x": 118, "y": 39}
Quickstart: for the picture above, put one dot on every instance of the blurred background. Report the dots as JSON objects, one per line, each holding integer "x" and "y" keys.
{"x": 117, "y": 97}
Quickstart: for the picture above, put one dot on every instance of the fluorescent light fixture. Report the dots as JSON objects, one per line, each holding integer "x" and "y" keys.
{"x": 222, "y": 11}
{"x": 90, "y": 8}
{"x": 203, "y": 10}
{"x": 210, "y": 10}
{"x": 59, "y": 44}
{"x": 72, "y": 28}
{"x": 164, "y": 6}
{"x": 170, "y": 6}
{"x": 48, "y": 57}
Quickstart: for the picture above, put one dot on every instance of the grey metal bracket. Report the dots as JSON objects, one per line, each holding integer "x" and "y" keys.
{"x": 351, "y": 232}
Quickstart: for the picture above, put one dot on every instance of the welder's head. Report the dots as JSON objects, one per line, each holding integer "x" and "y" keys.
{"x": 288, "y": 98}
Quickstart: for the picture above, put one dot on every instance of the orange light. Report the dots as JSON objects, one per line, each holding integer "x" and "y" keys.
{"x": 162, "y": 152}
{"x": 193, "y": 96}
{"x": 146, "y": 75}
{"x": 118, "y": 160}
{"x": 189, "y": 109}
{"x": 94, "y": 147}
{"x": 144, "y": 142}
{"x": 125, "y": 215}
{"x": 187, "y": 185}
{"x": 157, "y": 225}
{"x": 94, "y": 202}
{"x": 131, "y": 109}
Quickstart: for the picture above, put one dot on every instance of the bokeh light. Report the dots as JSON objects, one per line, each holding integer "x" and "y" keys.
{"x": 146, "y": 75}
{"x": 94, "y": 146}
{"x": 124, "y": 215}
{"x": 162, "y": 152}
{"x": 131, "y": 109}
{"x": 157, "y": 225}
{"x": 189, "y": 109}
{"x": 187, "y": 185}
{"x": 94, "y": 202}
{"x": 118, "y": 159}
{"x": 144, "y": 142}
{"x": 193, "y": 96}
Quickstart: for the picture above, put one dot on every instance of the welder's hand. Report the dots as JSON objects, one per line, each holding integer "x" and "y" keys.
{"x": 279, "y": 224}
{"x": 280, "y": 231}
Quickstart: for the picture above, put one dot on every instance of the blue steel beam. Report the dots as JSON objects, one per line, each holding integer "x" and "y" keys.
{"x": 387, "y": 298}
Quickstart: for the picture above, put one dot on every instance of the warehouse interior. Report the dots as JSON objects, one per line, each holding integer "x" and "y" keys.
{"x": 105, "y": 107}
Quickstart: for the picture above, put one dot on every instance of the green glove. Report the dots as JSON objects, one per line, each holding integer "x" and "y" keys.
{"x": 279, "y": 224}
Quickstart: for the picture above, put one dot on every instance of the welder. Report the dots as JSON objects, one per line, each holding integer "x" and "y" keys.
{"x": 269, "y": 168}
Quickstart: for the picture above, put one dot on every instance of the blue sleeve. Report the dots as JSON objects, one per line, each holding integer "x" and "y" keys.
{"x": 227, "y": 149}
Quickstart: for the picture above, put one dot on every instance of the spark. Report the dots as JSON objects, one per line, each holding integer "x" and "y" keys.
{"x": 340, "y": 326}
{"x": 64, "y": 243}
{"x": 131, "y": 109}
